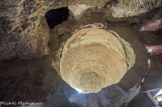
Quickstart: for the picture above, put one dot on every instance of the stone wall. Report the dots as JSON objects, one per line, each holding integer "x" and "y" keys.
{"x": 24, "y": 32}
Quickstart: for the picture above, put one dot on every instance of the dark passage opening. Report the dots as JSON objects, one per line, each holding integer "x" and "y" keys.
{"x": 56, "y": 16}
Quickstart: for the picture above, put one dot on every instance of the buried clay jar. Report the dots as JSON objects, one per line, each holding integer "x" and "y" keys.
{"x": 93, "y": 59}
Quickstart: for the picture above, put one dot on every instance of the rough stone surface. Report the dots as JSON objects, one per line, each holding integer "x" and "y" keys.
{"x": 22, "y": 36}
{"x": 78, "y": 10}
{"x": 24, "y": 31}
{"x": 127, "y": 8}
{"x": 33, "y": 80}
{"x": 23, "y": 28}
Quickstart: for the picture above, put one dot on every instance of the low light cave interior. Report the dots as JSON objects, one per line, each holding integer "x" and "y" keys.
{"x": 83, "y": 42}
{"x": 56, "y": 16}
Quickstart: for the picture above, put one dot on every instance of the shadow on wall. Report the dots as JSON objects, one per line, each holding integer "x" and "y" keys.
{"x": 56, "y": 16}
